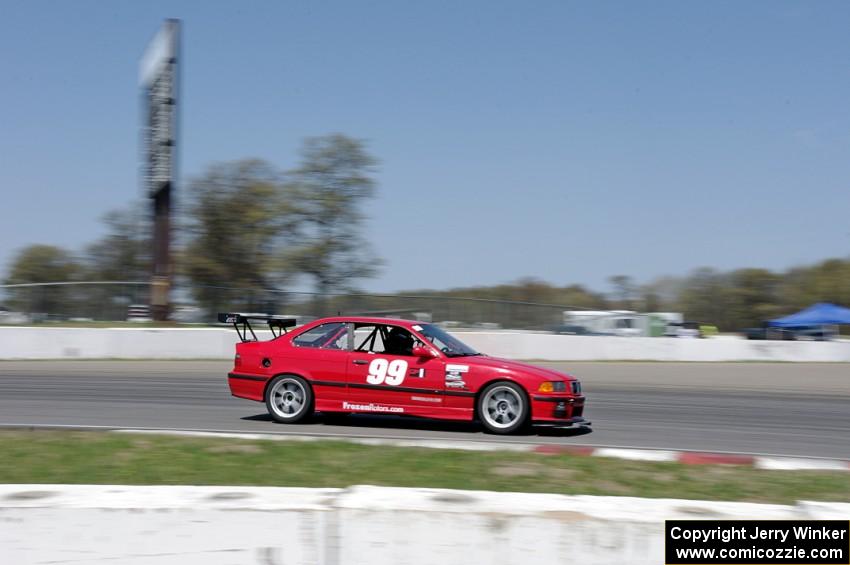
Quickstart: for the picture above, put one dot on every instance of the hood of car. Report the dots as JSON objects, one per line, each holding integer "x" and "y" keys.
{"x": 509, "y": 366}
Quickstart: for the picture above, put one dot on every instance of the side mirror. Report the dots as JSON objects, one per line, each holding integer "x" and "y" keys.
{"x": 424, "y": 352}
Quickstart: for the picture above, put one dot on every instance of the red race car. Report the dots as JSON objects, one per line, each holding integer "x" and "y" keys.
{"x": 401, "y": 367}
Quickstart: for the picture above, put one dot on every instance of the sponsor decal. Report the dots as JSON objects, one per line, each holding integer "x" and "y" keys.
{"x": 425, "y": 399}
{"x": 454, "y": 375}
{"x": 417, "y": 328}
{"x": 382, "y": 371}
{"x": 372, "y": 407}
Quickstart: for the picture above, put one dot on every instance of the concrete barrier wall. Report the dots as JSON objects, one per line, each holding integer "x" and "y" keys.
{"x": 360, "y": 525}
{"x": 604, "y": 348}
{"x": 119, "y": 343}
{"x": 217, "y": 343}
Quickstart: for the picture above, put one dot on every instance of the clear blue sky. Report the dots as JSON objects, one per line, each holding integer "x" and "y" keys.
{"x": 563, "y": 140}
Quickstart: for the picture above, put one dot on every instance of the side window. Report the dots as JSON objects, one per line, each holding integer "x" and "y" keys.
{"x": 379, "y": 338}
{"x": 325, "y": 336}
{"x": 369, "y": 338}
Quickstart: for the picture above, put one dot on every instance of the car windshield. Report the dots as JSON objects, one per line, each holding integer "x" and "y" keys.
{"x": 446, "y": 343}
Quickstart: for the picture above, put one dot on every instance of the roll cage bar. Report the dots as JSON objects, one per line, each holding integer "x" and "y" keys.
{"x": 368, "y": 344}
{"x": 242, "y": 324}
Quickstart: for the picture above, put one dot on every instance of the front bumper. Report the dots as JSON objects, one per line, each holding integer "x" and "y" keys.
{"x": 577, "y": 422}
{"x": 556, "y": 408}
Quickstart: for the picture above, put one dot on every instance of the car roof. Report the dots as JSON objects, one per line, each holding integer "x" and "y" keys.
{"x": 368, "y": 320}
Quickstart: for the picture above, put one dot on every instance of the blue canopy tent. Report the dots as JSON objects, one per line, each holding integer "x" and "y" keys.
{"x": 820, "y": 314}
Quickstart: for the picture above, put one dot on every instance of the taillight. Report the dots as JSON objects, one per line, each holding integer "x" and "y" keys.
{"x": 237, "y": 361}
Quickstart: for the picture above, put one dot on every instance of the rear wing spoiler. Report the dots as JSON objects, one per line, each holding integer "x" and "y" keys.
{"x": 242, "y": 323}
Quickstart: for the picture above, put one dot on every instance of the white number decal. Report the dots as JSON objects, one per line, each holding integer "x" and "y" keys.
{"x": 377, "y": 371}
{"x": 396, "y": 372}
{"x": 389, "y": 372}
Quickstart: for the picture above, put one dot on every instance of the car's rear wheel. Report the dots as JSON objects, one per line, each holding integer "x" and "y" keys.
{"x": 503, "y": 408}
{"x": 289, "y": 399}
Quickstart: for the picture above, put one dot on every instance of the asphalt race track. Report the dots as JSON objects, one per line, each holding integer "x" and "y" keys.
{"x": 768, "y": 408}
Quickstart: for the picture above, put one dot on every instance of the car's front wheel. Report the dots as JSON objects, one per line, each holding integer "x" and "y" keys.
{"x": 503, "y": 408}
{"x": 289, "y": 399}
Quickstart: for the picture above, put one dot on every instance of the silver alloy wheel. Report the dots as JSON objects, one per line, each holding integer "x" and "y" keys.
{"x": 287, "y": 398}
{"x": 502, "y": 407}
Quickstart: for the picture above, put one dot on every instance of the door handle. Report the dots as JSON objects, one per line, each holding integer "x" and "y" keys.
{"x": 360, "y": 362}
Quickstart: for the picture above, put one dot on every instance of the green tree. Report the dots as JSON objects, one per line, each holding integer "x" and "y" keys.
{"x": 124, "y": 253}
{"x": 579, "y": 296}
{"x": 703, "y": 297}
{"x": 830, "y": 281}
{"x": 237, "y": 223}
{"x": 41, "y": 264}
{"x": 546, "y": 310}
{"x": 795, "y": 290}
{"x": 328, "y": 190}
{"x": 650, "y": 301}
{"x": 750, "y": 298}
{"x": 624, "y": 290}
{"x": 659, "y": 295}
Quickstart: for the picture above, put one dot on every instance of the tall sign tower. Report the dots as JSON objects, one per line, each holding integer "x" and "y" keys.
{"x": 159, "y": 80}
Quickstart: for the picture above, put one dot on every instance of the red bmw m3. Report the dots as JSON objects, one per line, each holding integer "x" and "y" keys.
{"x": 398, "y": 367}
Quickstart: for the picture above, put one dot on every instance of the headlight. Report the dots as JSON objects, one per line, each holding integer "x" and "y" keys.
{"x": 548, "y": 386}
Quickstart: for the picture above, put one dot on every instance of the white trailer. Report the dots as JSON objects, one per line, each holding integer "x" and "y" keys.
{"x": 612, "y": 322}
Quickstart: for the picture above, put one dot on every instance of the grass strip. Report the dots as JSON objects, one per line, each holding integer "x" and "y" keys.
{"x": 46, "y": 456}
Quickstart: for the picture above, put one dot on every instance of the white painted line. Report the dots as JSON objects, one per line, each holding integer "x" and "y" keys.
{"x": 799, "y": 464}
{"x": 637, "y": 454}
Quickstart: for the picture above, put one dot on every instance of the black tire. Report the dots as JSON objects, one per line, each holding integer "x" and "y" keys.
{"x": 503, "y": 408}
{"x": 289, "y": 399}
